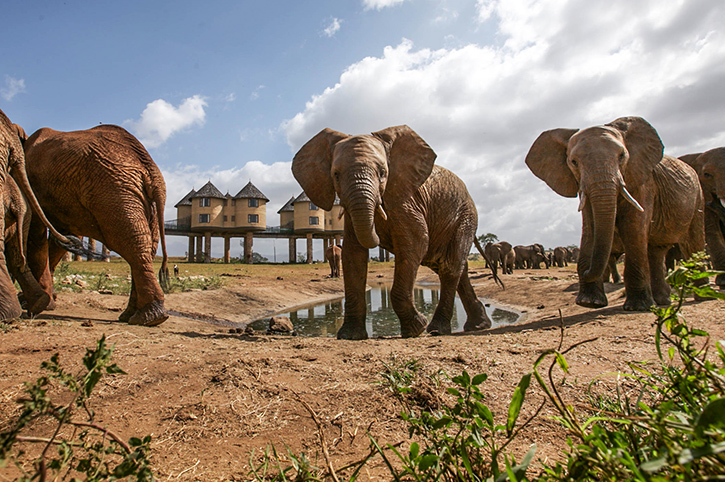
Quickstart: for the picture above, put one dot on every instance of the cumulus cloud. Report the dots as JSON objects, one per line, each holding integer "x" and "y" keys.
{"x": 160, "y": 120}
{"x": 12, "y": 88}
{"x": 558, "y": 63}
{"x": 333, "y": 28}
{"x": 380, "y": 4}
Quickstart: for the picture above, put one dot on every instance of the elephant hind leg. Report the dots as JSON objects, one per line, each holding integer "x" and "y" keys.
{"x": 476, "y": 317}
{"x": 441, "y": 322}
{"x": 412, "y": 322}
{"x": 660, "y": 288}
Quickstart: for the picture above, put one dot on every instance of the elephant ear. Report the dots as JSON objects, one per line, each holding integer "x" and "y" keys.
{"x": 410, "y": 162}
{"x": 312, "y": 166}
{"x": 644, "y": 145}
{"x": 547, "y": 160}
{"x": 693, "y": 161}
{"x": 21, "y": 133}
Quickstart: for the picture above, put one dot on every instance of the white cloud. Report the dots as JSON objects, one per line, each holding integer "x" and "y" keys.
{"x": 256, "y": 93}
{"x": 333, "y": 28}
{"x": 559, "y": 63}
{"x": 380, "y": 4}
{"x": 12, "y": 88}
{"x": 160, "y": 120}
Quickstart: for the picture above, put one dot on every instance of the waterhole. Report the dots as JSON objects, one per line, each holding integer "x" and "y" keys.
{"x": 324, "y": 319}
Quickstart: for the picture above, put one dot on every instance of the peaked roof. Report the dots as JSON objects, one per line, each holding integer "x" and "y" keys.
{"x": 288, "y": 207}
{"x": 301, "y": 198}
{"x": 186, "y": 200}
{"x": 208, "y": 190}
{"x": 250, "y": 191}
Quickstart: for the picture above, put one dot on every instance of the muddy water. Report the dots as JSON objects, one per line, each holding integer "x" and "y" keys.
{"x": 325, "y": 319}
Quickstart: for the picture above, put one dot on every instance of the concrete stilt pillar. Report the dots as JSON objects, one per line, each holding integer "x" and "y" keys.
{"x": 68, "y": 257}
{"x": 77, "y": 257}
{"x": 92, "y": 248}
{"x": 207, "y": 247}
{"x": 248, "y": 247}
{"x": 387, "y": 255}
{"x": 191, "y": 258}
{"x": 381, "y": 253}
{"x": 199, "y": 249}
{"x": 292, "y": 250}
{"x": 227, "y": 248}
{"x": 105, "y": 253}
{"x": 309, "y": 248}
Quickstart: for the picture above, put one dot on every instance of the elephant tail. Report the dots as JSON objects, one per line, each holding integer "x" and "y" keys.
{"x": 160, "y": 202}
{"x": 488, "y": 261}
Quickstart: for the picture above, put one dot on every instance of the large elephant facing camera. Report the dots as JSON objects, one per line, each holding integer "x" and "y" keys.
{"x": 394, "y": 196}
{"x": 101, "y": 183}
{"x": 625, "y": 184}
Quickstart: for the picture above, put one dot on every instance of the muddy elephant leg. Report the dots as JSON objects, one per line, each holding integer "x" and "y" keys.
{"x": 476, "y": 317}
{"x": 441, "y": 322}
{"x": 355, "y": 266}
{"x": 37, "y": 259}
{"x": 660, "y": 288}
{"x": 412, "y": 322}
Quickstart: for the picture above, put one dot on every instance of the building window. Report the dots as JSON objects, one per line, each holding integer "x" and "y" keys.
{"x": 225, "y": 218}
{"x": 314, "y": 220}
{"x": 204, "y": 202}
{"x": 234, "y": 202}
{"x": 253, "y": 203}
{"x": 313, "y": 208}
{"x": 203, "y": 218}
{"x": 225, "y": 203}
{"x": 234, "y": 219}
{"x": 252, "y": 218}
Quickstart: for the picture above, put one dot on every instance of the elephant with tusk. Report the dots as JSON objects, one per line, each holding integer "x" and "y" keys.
{"x": 394, "y": 196}
{"x": 626, "y": 185}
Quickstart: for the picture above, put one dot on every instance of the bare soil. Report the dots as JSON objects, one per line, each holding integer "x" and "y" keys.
{"x": 209, "y": 397}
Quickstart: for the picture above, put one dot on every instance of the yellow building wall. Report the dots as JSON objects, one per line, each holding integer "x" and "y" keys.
{"x": 214, "y": 211}
{"x": 332, "y": 223}
{"x": 302, "y": 217}
{"x": 287, "y": 219}
{"x": 242, "y": 212}
{"x": 183, "y": 212}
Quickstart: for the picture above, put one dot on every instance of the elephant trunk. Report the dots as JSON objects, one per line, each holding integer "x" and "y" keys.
{"x": 602, "y": 199}
{"x": 361, "y": 207}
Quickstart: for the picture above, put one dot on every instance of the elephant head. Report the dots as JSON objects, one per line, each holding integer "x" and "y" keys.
{"x": 710, "y": 167}
{"x": 601, "y": 165}
{"x": 369, "y": 173}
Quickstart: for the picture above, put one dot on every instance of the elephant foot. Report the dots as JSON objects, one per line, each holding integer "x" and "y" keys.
{"x": 11, "y": 312}
{"x": 153, "y": 314}
{"x": 415, "y": 327}
{"x": 591, "y": 295}
{"x": 662, "y": 297}
{"x": 127, "y": 314}
{"x": 477, "y": 324}
{"x": 352, "y": 331}
{"x": 38, "y": 304}
{"x": 639, "y": 302}
{"x": 438, "y": 327}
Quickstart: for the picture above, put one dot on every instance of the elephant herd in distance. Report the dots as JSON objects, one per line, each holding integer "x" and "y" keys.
{"x": 101, "y": 183}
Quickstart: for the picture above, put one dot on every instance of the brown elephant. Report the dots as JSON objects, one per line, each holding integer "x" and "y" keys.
{"x": 394, "y": 196}
{"x": 497, "y": 253}
{"x": 510, "y": 262}
{"x": 710, "y": 167}
{"x": 530, "y": 256}
{"x": 560, "y": 256}
{"x": 333, "y": 253}
{"x": 625, "y": 183}
{"x": 101, "y": 183}
{"x": 12, "y": 166}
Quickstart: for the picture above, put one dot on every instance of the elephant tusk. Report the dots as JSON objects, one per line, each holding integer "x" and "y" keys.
{"x": 381, "y": 211}
{"x": 632, "y": 200}
{"x": 582, "y": 200}
{"x": 342, "y": 213}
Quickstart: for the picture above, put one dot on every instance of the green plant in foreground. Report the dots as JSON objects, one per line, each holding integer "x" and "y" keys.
{"x": 77, "y": 446}
{"x": 674, "y": 429}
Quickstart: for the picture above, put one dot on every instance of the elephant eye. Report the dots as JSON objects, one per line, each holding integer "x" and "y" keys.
{"x": 707, "y": 175}
{"x": 382, "y": 173}
{"x": 573, "y": 162}
{"x": 336, "y": 174}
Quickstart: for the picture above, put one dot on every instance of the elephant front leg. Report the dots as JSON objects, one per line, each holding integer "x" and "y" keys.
{"x": 440, "y": 324}
{"x": 637, "y": 281}
{"x": 412, "y": 322}
{"x": 476, "y": 317}
{"x": 355, "y": 265}
{"x": 660, "y": 288}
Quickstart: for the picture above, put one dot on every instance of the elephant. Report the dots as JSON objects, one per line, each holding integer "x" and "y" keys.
{"x": 497, "y": 253}
{"x": 559, "y": 257}
{"x": 710, "y": 167}
{"x": 333, "y": 253}
{"x": 530, "y": 256}
{"x": 101, "y": 183}
{"x": 625, "y": 183}
{"x": 573, "y": 254}
{"x": 394, "y": 196}
{"x": 510, "y": 262}
{"x": 12, "y": 166}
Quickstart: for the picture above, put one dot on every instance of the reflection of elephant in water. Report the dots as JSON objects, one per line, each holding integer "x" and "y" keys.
{"x": 101, "y": 183}
{"x": 394, "y": 196}
{"x": 333, "y": 253}
{"x": 624, "y": 182}
{"x": 710, "y": 167}
{"x": 530, "y": 256}
{"x": 497, "y": 254}
{"x": 560, "y": 257}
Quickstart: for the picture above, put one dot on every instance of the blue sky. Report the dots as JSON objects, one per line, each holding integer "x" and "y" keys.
{"x": 228, "y": 91}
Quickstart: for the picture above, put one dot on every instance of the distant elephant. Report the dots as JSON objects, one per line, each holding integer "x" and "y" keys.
{"x": 497, "y": 253}
{"x": 394, "y": 196}
{"x": 17, "y": 227}
{"x": 12, "y": 166}
{"x": 560, "y": 256}
{"x": 510, "y": 262}
{"x": 624, "y": 182}
{"x": 573, "y": 254}
{"x": 333, "y": 253}
{"x": 101, "y": 183}
{"x": 530, "y": 256}
{"x": 710, "y": 167}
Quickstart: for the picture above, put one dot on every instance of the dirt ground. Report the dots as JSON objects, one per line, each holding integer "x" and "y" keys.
{"x": 210, "y": 397}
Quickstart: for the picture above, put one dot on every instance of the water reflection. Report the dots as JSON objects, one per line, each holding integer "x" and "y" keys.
{"x": 326, "y": 318}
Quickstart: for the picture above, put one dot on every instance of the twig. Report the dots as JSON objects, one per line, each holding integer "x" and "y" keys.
{"x": 321, "y": 434}
{"x": 190, "y": 468}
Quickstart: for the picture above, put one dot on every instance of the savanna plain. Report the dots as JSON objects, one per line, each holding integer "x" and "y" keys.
{"x": 213, "y": 399}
